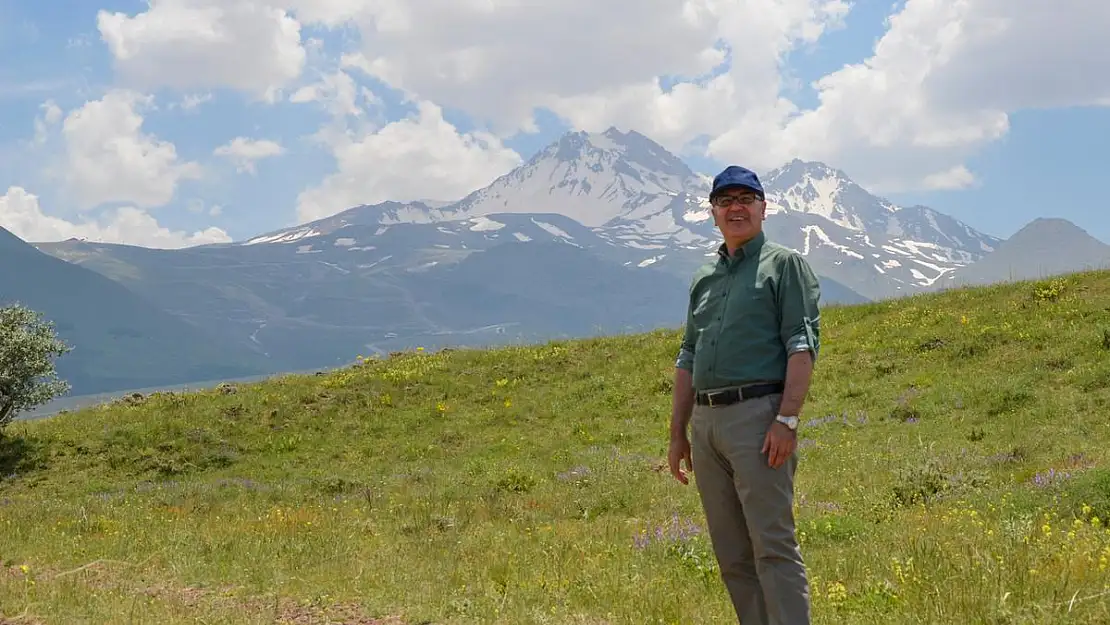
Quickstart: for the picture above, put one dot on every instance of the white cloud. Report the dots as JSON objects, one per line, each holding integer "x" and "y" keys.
{"x": 21, "y": 214}
{"x": 420, "y": 157}
{"x": 958, "y": 177}
{"x": 337, "y": 91}
{"x": 595, "y": 63}
{"x": 499, "y": 59}
{"x": 1024, "y": 54}
{"x": 740, "y": 104}
{"x": 243, "y": 152}
{"x": 200, "y": 207}
{"x": 247, "y": 45}
{"x": 110, "y": 159}
{"x": 192, "y": 102}
{"x": 941, "y": 83}
{"x": 51, "y": 115}
{"x": 939, "y": 86}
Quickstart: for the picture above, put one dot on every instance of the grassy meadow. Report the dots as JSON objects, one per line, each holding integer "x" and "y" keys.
{"x": 954, "y": 469}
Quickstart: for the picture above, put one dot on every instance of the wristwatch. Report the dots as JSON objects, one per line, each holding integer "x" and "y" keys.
{"x": 790, "y": 422}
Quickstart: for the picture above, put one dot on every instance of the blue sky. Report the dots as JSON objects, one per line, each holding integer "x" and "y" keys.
{"x": 930, "y": 136}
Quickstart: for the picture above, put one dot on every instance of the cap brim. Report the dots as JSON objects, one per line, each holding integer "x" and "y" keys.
{"x": 735, "y": 186}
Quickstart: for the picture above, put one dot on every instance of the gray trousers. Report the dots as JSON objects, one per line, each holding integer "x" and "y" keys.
{"x": 749, "y": 512}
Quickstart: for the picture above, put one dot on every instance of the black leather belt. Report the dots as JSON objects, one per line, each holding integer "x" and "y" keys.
{"x": 727, "y": 396}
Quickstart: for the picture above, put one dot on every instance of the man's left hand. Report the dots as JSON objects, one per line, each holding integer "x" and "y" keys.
{"x": 779, "y": 444}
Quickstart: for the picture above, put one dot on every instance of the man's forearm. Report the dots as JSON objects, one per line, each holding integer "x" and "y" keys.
{"x": 683, "y": 403}
{"x": 799, "y": 372}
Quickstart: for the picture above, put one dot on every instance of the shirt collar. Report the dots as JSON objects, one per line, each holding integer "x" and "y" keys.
{"x": 746, "y": 250}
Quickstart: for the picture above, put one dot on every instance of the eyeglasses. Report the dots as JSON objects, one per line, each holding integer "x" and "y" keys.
{"x": 725, "y": 201}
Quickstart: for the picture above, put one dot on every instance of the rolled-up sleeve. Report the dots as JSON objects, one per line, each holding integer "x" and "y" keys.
{"x": 685, "y": 358}
{"x": 799, "y": 294}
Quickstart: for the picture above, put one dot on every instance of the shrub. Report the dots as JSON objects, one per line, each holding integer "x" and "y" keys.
{"x": 28, "y": 346}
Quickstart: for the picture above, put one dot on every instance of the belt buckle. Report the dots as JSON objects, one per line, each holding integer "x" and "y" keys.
{"x": 709, "y": 397}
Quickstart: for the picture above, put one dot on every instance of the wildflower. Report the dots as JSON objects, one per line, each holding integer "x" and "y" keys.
{"x": 1047, "y": 478}
{"x": 677, "y": 532}
{"x": 837, "y": 592}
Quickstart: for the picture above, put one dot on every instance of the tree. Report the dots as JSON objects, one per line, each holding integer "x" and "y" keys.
{"x": 28, "y": 346}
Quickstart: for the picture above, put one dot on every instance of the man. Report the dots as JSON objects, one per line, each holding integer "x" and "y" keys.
{"x": 742, "y": 374}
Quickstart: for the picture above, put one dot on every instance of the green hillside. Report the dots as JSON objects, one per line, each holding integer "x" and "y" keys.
{"x": 119, "y": 339}
{"x": 953, "y": 470}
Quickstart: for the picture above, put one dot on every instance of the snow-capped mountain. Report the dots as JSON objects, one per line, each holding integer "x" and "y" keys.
{"x": 594, "y": 179}
{"x": 868, "y": 243}
{"x": 633, "y": 199}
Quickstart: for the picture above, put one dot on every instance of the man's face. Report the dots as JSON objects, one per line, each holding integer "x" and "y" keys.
{"x": 739, "y": 214}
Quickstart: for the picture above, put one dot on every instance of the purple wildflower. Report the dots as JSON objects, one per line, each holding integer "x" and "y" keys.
{"x": 677, "y": 531}
{"x": 1045, "y": 479}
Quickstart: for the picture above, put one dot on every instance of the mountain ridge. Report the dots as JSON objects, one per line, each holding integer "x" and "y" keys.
{"x": 637, "y": 196}
{"x": 1046, "y": 246}
{"x": 117, "y": 336}
{"x": 597, "y": 219}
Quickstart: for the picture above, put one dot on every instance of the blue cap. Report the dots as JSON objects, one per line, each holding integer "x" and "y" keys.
{"x": 736, "y": 176}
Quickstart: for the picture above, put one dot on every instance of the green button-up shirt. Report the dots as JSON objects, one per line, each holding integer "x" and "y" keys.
{"x": 747, "y": 313}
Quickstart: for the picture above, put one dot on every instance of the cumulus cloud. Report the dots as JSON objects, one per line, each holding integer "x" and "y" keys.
{"x": 941, "y": 84}
{"x": 108, "y": 158}
{"x": 419, "y": 157}
{"x": 21, "y": 214}
{"x": 595, "y": 63}
{"x": 498, "y": 59}
{"x": 244, "y": 152}
{"x": 247, "y": 45}
{"x": 741, "y": 103}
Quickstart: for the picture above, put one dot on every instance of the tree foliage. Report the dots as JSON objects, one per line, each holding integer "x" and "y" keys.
{"x": 28, "y": 347}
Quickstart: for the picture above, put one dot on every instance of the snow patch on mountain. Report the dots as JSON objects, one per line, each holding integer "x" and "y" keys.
{"x": 287, "y": 236}
{"x": 555, "y": 230}
{"x": 824, "y": 239}
{"x": 483, "y": 224}
{"x": 699, "y": 214}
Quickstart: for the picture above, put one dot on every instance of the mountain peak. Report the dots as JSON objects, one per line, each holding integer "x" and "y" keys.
{"x": 1046, "y": 246}
{"x": 1053, "y": 227}
{"x": 621, "y": 150}
{"x": 797, "y": 169}
{"x": 591, "y": 177}
{"x": 815, "y": 188}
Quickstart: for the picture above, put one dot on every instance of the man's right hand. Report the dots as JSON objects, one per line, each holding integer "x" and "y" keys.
{"x": 680, "y": 451}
